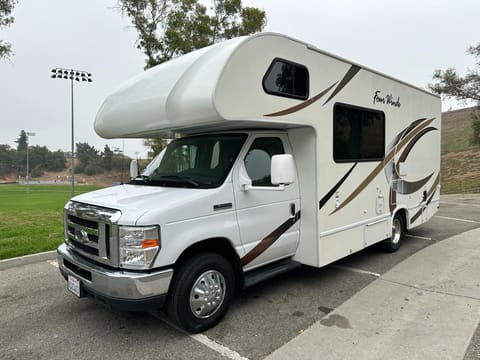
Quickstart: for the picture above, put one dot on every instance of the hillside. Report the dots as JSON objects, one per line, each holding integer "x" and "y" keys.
{"x": 460, "y": 170}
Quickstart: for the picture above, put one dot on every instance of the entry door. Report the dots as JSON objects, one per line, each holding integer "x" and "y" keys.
{"x": 267, "y": 216}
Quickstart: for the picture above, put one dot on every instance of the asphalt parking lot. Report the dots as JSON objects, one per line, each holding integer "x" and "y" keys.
{"x": 42, "y": 320}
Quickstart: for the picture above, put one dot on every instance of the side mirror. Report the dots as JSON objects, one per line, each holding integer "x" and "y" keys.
{"x": 133, "y": 169}
{"x": 282, "y": 169}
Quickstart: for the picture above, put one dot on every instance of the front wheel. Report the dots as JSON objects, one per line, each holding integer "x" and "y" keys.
{"x": 201, "y": 292}
{"x": 398, "y": 229}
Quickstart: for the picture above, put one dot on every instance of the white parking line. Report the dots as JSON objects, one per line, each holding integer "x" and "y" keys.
{"x": 53, "y": 263}
{"x": 456, "y": 219}
{"x": 355, "y": 270}
{"x": 459, "y": 203}
{"x": 203, "y": 339}
{"x": 418, "y": 237}
{"x": 223, "y": 350}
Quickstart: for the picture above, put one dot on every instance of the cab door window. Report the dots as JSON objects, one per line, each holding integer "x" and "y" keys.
{"x": 257, "y": 161}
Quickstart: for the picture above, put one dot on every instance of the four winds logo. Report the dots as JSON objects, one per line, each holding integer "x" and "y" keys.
{"x": 386, "y": 99}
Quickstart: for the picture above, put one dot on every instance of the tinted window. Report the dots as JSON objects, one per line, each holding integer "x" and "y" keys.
{"x": 257, "y": 161}
{"x": 288, "y": 79}
{"x": 358, "y": 134}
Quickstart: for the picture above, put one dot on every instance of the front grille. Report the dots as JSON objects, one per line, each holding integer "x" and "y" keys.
{"x": 89, "y": 231}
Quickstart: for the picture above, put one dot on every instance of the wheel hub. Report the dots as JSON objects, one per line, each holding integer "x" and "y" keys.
{"x": 396, "y": 231}
{"x": 207, "y": 295}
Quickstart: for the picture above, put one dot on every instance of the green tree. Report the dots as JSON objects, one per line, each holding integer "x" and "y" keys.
{"x": 155, "y": 145}
{"x": 56, "y": 161}
{"x": 22, "y": 141}
{"x": 13, "y": 162}
{"x": 42, "y": 159}
{"x": 169, "y": 28}
{"x": 38, "y": 157}
{"x": 7, "y": 160}
{"x": 107, "y": 157}
{"x": 6, "y": 19}
{"x": 90, "y": 159}
{"x": 451, "y": 84}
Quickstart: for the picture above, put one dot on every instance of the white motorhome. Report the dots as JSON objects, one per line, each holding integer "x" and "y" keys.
{"x": 284, "y": 155}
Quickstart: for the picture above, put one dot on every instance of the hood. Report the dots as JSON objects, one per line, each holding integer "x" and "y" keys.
{"x": 165, "y": 203}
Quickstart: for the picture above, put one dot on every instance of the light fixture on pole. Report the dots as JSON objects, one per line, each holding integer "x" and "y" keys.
{"x": 77, "y": 75}
{"x": 28, "y": 160}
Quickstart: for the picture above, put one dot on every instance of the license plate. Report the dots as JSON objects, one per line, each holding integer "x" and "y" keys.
{"x": 74, "y": 285}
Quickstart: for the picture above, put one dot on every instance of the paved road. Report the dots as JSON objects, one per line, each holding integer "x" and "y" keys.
{"x": 41, "y": 320}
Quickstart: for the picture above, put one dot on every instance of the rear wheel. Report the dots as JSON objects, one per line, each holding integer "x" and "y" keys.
{"x": 201, "y": 292}
{"x": 398, "y": 230}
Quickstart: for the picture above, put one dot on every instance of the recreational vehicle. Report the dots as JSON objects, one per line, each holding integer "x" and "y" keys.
{"x": 283, "y": 155}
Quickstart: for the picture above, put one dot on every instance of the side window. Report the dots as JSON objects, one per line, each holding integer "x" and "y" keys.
{"x": 215, "y": 155}
{"x": 285, "y": 78}
{"x": 358, "y": 134}
{"x": 257, "y": 161}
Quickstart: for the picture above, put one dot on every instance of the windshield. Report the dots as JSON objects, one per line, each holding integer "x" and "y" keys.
{"x": 194, "y": 162}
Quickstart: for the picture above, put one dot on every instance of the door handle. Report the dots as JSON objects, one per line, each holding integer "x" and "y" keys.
{"x": 292, "y": 209}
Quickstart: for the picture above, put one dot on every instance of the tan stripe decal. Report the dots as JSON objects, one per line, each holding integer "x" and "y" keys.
{"x": 380, "y": 166}
{"x": 303, "y": 104}
{"x": 267, "y": 241}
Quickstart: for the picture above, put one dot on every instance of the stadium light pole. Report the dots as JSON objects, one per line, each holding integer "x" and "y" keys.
{"x": 77, "y": 75}
{"x": 28, "y": 161}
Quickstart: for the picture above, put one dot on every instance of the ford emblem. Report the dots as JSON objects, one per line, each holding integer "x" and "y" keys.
{"x": 81, "y": 236}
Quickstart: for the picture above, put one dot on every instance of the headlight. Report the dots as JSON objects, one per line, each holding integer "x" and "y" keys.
{"x": 138, "y": 245}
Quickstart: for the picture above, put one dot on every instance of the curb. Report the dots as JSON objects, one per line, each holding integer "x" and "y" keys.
{"x": 27, "y": 259}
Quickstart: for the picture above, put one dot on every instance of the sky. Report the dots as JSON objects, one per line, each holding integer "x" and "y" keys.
{"x": 406, "y": 39}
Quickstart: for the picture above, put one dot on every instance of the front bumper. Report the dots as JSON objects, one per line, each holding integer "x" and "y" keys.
{"x": 119, "y": 289}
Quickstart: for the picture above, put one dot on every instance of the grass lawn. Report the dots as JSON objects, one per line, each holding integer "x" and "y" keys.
{"x": 32, "y": 222}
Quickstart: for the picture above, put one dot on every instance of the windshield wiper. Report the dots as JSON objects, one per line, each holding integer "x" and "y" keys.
{"x": 177, "y": 179}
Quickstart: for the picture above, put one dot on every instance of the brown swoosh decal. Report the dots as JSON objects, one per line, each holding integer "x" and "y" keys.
{"x": 327, "y": 197}
{"x": 409, "y": 187}
{"x": 381, "y": 165}
{"x": 409, "y": 147}
{"x": 393, "y": 200}
{"x": 346, "y": 79}
{"x": 430, "y": 194}
{"x": 304, "y": 104}
{"x": 412, "y": 126}
{"x": 267, "y": 241}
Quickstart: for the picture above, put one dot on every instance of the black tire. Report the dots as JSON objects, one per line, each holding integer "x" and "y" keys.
{"x": 398, "y": 230}
{"x": 213, "y": 278}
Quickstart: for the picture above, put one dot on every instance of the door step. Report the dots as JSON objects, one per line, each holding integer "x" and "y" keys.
{"x": 268, "y": 271}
